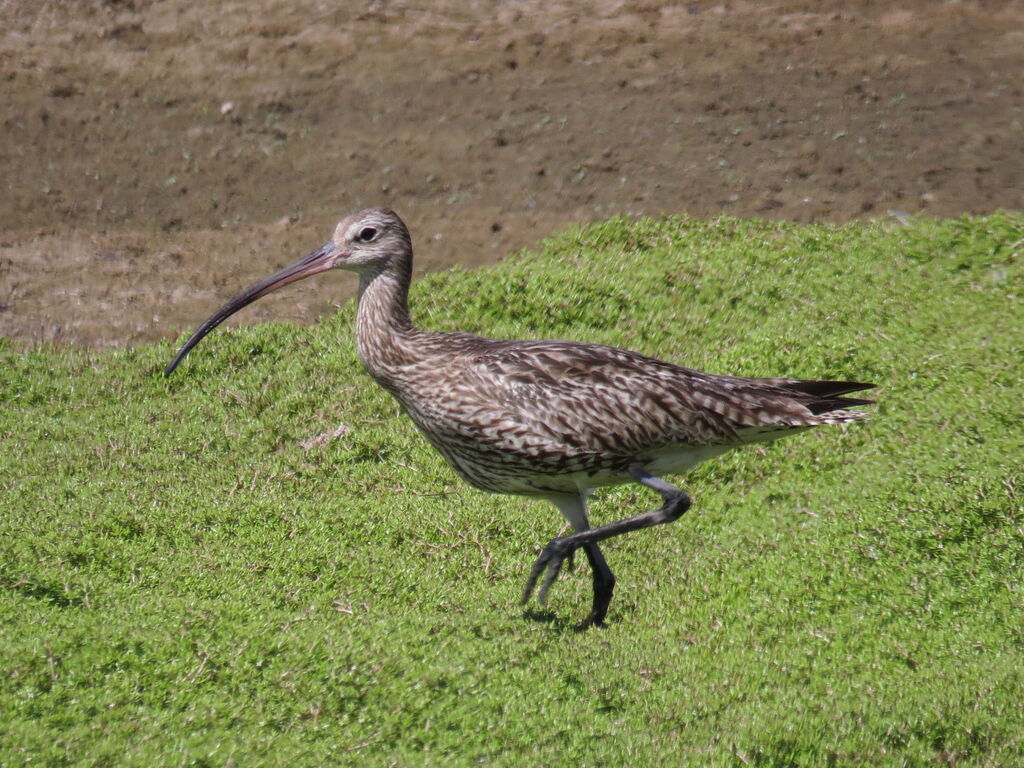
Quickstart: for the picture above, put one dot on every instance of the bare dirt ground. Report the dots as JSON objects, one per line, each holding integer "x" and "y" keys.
{"x": 158, "y": 155}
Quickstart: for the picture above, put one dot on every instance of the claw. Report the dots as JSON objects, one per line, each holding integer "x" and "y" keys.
{"x": 550, "y": 559}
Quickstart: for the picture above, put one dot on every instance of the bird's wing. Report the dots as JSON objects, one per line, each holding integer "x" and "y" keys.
{"x": 597, "y": 398}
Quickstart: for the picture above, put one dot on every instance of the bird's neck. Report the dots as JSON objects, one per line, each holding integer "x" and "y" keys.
{"x": 382, "y": 320}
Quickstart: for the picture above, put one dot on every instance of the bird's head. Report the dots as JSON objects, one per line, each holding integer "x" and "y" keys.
{"x": 368, "y": 241}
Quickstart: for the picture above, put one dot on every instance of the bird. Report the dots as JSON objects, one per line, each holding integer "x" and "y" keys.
{"x": 548, "y": 420}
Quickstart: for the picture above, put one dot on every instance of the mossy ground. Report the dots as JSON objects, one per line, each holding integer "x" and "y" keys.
{"x": 185, "y": 583}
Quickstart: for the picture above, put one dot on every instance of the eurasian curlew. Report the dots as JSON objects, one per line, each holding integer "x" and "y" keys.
{"x": 548, "y": 419}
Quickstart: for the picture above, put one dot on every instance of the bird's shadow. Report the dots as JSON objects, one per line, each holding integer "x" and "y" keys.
{"x": 558, "y": 623}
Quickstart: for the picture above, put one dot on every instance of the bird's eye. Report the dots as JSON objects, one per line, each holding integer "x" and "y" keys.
{"x": 366, "y": 234}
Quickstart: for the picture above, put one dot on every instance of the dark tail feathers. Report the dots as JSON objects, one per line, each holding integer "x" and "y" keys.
{"x": 828, "y": 393}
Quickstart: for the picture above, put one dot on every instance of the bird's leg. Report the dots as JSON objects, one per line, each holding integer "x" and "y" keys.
{"x": 676, "y": 502}
{"x": 604, "y": 584}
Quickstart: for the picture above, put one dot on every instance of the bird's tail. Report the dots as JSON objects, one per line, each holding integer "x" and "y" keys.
{"x": 827, "y": 401}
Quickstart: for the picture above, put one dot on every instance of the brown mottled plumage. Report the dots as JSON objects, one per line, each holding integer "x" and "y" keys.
{"x": 548, "y": 419}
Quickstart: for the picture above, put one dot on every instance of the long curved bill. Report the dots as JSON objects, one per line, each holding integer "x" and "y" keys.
{"x": 318, "y": 261}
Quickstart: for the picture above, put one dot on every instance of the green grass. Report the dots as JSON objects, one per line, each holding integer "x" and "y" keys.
{"x": 182, "y": 583}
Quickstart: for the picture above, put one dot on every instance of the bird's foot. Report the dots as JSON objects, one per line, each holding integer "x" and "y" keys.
{"x": 593, "y": 620}
{"x": 550, "y": 559}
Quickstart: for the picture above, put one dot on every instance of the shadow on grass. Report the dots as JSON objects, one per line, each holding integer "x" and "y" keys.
{"x": 559, "y": 623}
{"x": 55, "y": 595}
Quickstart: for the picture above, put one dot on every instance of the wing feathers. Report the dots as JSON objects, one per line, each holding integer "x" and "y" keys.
{"x": 679, "y": 403}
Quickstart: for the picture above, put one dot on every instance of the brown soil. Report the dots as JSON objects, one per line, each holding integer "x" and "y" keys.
{"x": 158, "y": 155}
